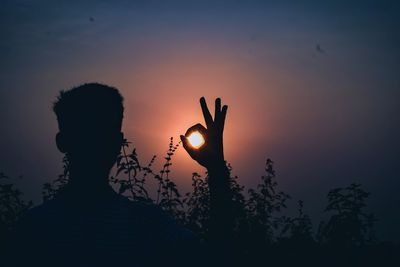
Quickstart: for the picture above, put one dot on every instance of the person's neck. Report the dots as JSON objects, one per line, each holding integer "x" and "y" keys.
{"x": 90, "y": 184}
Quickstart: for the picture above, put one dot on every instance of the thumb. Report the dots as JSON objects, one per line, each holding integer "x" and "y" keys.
{"x": 186, "y": 145}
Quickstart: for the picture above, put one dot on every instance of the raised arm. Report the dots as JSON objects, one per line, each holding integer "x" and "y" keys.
{"x": 211, "y": 156}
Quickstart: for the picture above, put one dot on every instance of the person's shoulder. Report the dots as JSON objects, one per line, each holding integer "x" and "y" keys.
{"x": 38, "y": 217}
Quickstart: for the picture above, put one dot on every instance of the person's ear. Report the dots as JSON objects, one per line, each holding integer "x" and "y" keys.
{"x": 61, "y": 143}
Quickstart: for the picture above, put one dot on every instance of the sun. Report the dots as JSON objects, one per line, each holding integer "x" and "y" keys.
{"x": 196, "y": 140}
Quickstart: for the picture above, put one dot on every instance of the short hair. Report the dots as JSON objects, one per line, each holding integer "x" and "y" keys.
{"x": 89, "y": 102}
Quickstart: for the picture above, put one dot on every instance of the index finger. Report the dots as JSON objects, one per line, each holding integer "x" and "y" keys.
{"x": 196, "y": 128}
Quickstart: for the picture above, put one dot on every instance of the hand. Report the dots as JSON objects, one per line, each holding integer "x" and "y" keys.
{"x": 211, "y": 153}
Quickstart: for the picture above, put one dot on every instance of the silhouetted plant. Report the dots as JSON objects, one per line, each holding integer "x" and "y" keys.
{"x": 264, "y": 206}
{"x": 240, "y": 207}
{"x": 198, "y": 205}
{"x": 259, "y": 222}
{"x": 350, "y": 224}
{"x": 298, "y": 229}
{"x": 12, "y": 205}
{"x": 132, "y": 186}
{"x": 51, "y": 189}
{"x": 257, "y": 216}
{"x": 168, "y": 196}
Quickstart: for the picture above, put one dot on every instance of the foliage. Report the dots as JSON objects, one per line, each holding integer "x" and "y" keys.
{"x": 12, "y": 205}
{"x": 264, "y": 202}
{"x": 51, "y": 189}
{"x": 350, "y": 224}
{"x": 132, "y": 187}
{"x": 298, "y": 229}
{"x": 198, "y": 205}
{"x": 259, "y": 213}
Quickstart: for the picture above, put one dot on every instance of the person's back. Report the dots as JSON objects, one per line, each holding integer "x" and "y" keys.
{"x": 111, "y": 230}
{"x": 88, "y": 224}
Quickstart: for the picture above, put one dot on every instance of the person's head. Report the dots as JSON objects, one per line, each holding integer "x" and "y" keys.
{"x": 89, "y": 120}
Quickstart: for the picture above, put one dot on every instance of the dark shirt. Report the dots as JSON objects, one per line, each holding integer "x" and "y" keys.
{"x": 112, "y": 231}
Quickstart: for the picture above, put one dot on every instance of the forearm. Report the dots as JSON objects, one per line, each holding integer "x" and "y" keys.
{"x": 221, "y": 219}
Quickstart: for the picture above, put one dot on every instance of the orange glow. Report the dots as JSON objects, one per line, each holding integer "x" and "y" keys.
{"x": 196, "y": 140}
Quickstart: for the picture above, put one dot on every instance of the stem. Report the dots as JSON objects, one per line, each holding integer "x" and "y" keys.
{"x": 129, "y": 172}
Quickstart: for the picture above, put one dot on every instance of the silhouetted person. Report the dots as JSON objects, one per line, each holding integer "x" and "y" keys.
{"x": 87, "y": 223}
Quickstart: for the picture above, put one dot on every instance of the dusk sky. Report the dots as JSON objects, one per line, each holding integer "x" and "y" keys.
{"x": 314, "y": 86}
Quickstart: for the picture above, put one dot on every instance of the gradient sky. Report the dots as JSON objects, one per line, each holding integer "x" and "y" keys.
{"x": 314, "y": 86}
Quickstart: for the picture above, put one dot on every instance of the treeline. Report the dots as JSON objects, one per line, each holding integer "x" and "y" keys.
{"x": 263, "y": 234}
